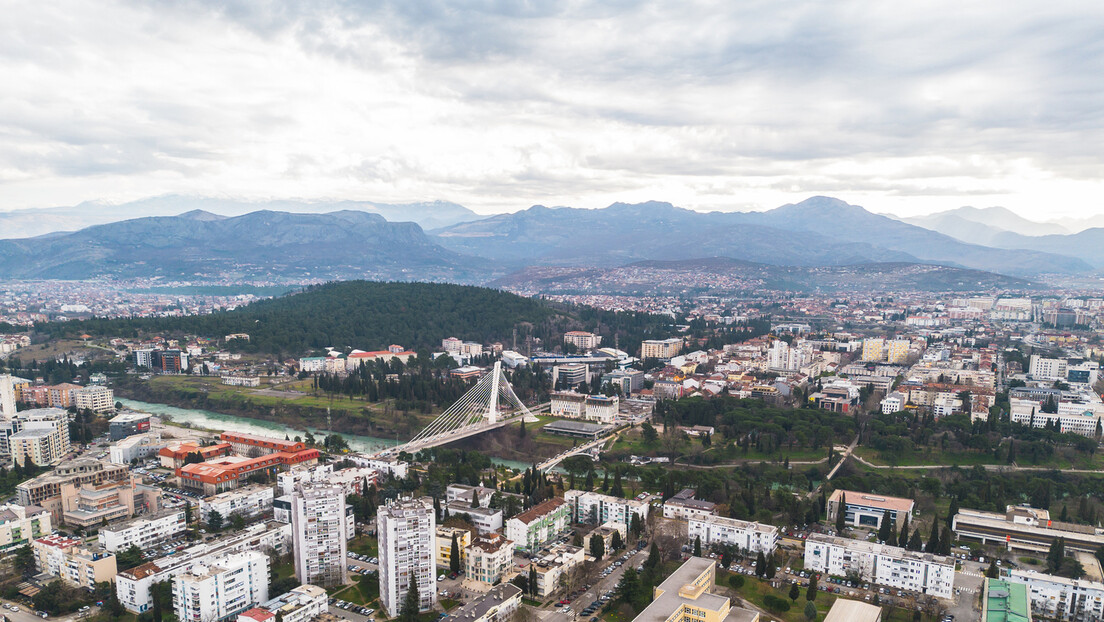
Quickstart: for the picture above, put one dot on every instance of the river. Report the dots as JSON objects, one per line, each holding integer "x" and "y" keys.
{"x": 209, "y": 420}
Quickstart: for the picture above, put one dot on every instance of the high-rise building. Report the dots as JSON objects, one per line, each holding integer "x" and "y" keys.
{"x": 873, "y": 350}
{"x": 406, "y": 529}
{"x": 40, "y": 435}
{"x": 660, "y": 348}
{"x": 7, "y": 396}
{"x": 221, "y": 588}
{"x": 320, "y": 528}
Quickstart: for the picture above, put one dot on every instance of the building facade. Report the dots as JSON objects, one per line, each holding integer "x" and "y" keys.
{"x": 745, "y": 535}
{"x": 72, "y": 562}
{"x": 320, "y": 527}
{"x": 596, "y": 508}
{"x": 406, "y": 529}
{"x": 487, "y": 558}
{"x": 889, "y": 566}
{"x": 221, "y": 588}
{"x": 144, "y": 532}
{"x": 20, "y": 524}
{"x": 867, "y": 510}
{"x": 535, "y": 527}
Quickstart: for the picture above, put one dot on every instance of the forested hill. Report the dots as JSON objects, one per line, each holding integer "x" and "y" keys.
{"x": 371, "y": 315}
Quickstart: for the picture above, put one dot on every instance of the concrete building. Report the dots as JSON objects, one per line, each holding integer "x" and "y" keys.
{"x": 866, "y": 510}
{"x": 144, "y": 532}
{"x": 20, "y": 524}
{"x": 894, "y": 402}
{"x": 589, "y": 407}
{"x": 748, "y": 536}
{"x": 873, "y": 350}
{"x": 72, "y": 562}
{"x": 844, "y": 610}
{"x": 596, "y": 508}
{"x": 136, "y": 447}
{"x": 95, "y": 398}
{"x": 40, "y": 435}
{"x": 320, "y": 527}
{"x": 1023, "y": 528}
{"x": 406, "y": 529}
{"x": 551, "y": 564}
{"x": 133, "y": 586}
{"x": 625, "y": 381}
{"x": 486, "y": 520}
{"x": 221, "y": 588}
{"x": 889, "y": 566}
{"x": 128, "y": 424}
{"x": 7, "y": 396}
{"x": 535, "y": 527}
{"x": 487, "y": 558}
{"x": 570, "y": 374}
{"x": 90, "y": 505}
{"x": 497, "y": 605}
{"x": 686, "y": 596}
{"x": 683, "y": 506}
{"x": 1059, "y": 598}
{"x": 300, "y": 604}
{"x": 46, "y": 490}
{"x": 246, "y": 502}
{"x": 662, "y": 349}
{"x": 582, "y": 340}
{"x": 1005, "y": 601}
{"x": 1042, "y": 368}
{"x": 444, "y": 537}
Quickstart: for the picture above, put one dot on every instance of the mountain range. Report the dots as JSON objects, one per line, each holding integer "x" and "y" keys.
{"x": 199, "y": 244}
{"x": 984, "y": 225}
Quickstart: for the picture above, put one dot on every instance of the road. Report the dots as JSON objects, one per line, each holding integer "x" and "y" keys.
{"x": 609, "y": 583}
{"x": 25, "y": 615}
{"x": 552, "y": 462}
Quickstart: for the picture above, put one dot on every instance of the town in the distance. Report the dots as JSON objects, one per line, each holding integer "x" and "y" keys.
{"x": 371, "y": 452}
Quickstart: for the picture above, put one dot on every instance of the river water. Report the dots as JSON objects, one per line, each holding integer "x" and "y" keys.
{"x": 209, "y": 420}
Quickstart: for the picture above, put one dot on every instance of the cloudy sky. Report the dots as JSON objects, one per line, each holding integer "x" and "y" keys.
{"x": 500, "y": 104}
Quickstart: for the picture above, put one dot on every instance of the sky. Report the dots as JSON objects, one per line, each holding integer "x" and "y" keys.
{"x": 907, "y": 108}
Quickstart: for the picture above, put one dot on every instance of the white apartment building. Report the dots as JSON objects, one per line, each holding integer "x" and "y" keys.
{"x": 497, "y": 605}
{"x": 19, "y": 524}
{"x": 40, "y": 435}
{"x": 1042, "y": 368}
{"x": 783, "y": 357}
{"x": 221, "y": 588}
{"x": 320, "y": 528}
{"x": 486, "y": 520}
{"x": 94, "y": 398}
{"x": 300, "y": 604}
{"x": 395, "y": 468}
{"x": 71, "y": 561}
{"x": 1059, "y": 598}
{"x": 660, "y": 348}
{"x": 889, "y": 566}
{"x": 894, "y": 402}
{"x": 406, "y": 529}
{"x": 487, "y": 558}
{"x": 1073, "y": 420}
{"x": 143, "y": 532}
{"x": 683, "y": 506}
{"x": 7, "y": 396}
{"x": 582, "y": 340}
{"x": 287, "y": 480}
{"x": 133, "y": 586}
{"x": 136, "y": 447}
{"x": 596, "y": 508}
{"x": 534, "y": 527}
{"x": 552, "y": 563}
{"x": 589, "y": 407}
{"x": 747, "y": 536}
{"x": 246, "y": 502}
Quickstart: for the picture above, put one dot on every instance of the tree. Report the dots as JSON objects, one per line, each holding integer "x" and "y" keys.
{"x": 410, "y": 606}
{"x": 597, "y": 546}
{"x": 916, "y": 543}
{"x": 775, "y": 604}
{"x": 650, "y": 434}
{"x": 214, "y": 521}
{"x": 760, "y": 565}
{"x": 532, "y": 580}
{"x": 1055, "y": 555}
{"x": 795, "y": 592}
{"x": 992, "y": 571}
{"x": 654, "y": 556}
{"x": 636, "y": 525}
{"x": 697, "y": 546}
{"x": 933, "y": 539}
{"x": 628, "y": 589}
{"x": 810, "y": 611}
{"x": 617, "y": 490}
{"x": 736, "y": 581}
{"x": 726, "y": 558}
{"x": 25, "y": 560}
{"x": 237, "y": 522}
{"x": 811, "y": 593}
{"x": 884, "y": 530}
{"x": 454, "y": 555}
{"x": 615, "y": 541}
{"x": 841, "y": 514}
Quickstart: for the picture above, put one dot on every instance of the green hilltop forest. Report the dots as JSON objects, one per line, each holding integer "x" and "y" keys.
{"x": 372, "y": 315}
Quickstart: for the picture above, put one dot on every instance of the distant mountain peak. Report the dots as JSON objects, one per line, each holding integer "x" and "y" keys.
{"x": 201, "y": 215}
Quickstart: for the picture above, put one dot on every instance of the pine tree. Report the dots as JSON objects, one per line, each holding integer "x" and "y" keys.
{"x": 811, "y": 593}
{"x": 992, "y": 571}
{"x": 933, "y": 539}
{"x": 410, "y": 606}
{"x": 597, "y": 546}
{"x": 654, "y": 557}
{"x": 697, "y": 546}
{"x": 454, "y": 555}
{"x": 760, "y": 565}
{"x": 916, "y": 543}
{"x": 615, "y": 541}
{"x": 841, "y": 514}
{"x": 945, "y": 541}
{"x": 795, "y": 592}
{"x": 885, "y": 527}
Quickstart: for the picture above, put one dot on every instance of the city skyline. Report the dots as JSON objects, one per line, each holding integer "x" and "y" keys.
{"x": 905, "y": 111}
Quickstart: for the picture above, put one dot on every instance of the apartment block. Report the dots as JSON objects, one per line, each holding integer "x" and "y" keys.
{"x": 71, "y": 561}
{"x": 660, "y": 348}
{"x": 39, "y": 435}
{"x": 867, "y": 510}
{"x": 300, "y": 604}
{"x": 19, "y": 524}
{"x": 683, "y": 506}
{"x": 320, "y": 526}
{"x": 94, "y": 398}
{"x": 144, "y": 532}
{"x": 45, "y": 490}
{"x": 747, "y": 536}
{"x": 486, "y": 520}
{"x": 686, "y": 596}
{"x": 889, "y": 566}
{"x": 533, "y": 528}
{"x": 444, "y": 537}
{"x": 596, "y": 508}
{"x": 550, "y": 564}
{"x": 406, "y": 529}
{"x": 582, "y": 339}
{"x": 1042, "y": 368}
{"x": 246, "y": 502}
{"x": 497, "y": 605}
{"x": 487, "y": 558}
{"x": 219, "y": 589}
{"x": 136, "y": 447}
{"x": 1059, "y": 598}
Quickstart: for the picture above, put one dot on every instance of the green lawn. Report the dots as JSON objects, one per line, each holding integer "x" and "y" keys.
{"x": 364, "y": 545}
{"x": 448, "y": 603}
{"x": 755, "y": 591}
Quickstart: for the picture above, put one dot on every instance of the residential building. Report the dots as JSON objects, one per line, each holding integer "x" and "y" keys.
{"x": 535, "y": 527}
{"x": 873, "y": 350}
{"x": 866, "y": 510}
{"x": 40, "y": 435}
{"x": 894, "y": 402}
{"x": 254, "y": 445}
{"x": 19, "y": 524}
{"x": 625, "y": 381}
{"x": 487, "y": 558}
{"x": 551, "y": 564}
{"x": 596, "y": 508}
{"x": 1023, "y": 528}
{"x": 7, "y": 396}
{"x": 486, "y": 520}
{"x": 1005, "y": 601}
{"x": 1059, "y": 598}
{"x": 95, "y": 398}
{"x": 136, "y": 447}
{"x": 1042, "y": 368}
{"x": 687, "y": 596}
{"x": 173, "y": 456}
{"x": 89, "y": 505}
{"x": 247, "y": 502}
{"x": 497, "y": 605}
{"x": 897, "y": 351}
{"x": 241, "y": 381}
{"x": 320, "y": 526}
{"x": 582, "y": 340}
{"x": 127, "y": 424}
{"x": 406, "y": 529}
{"x": 444, "y": 537}
{"x": 219, "y": 589}
{"x": 889, "y": 566}
{"x": 144, "y": 531}
{"x": 45, "y": 490}
{"x": 133, "y": 586}
{"x": 747, "y": 536}
{"x": 605, "y": 532}
{"x": 462, "y": 493}
{"x": 1078, "y": 419}
{"x": 662, "y": 349}
{"x": 73, "y": 562}
{"x": 300, "y": 604}
{"x": 169, "y": 361}
{"x": 683, "y": 506}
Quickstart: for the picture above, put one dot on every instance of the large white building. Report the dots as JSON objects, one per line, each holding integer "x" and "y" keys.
{"x": 487, "y": 558}
{"x": 1074, "y": 418}
{"x": 95, "y": 398}
{"x": 246, "y": 502}
{"x": 683, "y": 506}
{"x": 589, "y": 407}
{"x": 320, "y": 528}
{"x": 1042, "y": 368}
{"x": 867, "y": 510}
{"x": 406, "y": 529}
{"x": 538, "y": 525}
{"x": 747, "y": 536}
{"x": 143, "y": 532}
{"x": 136, "y": 447}
{"x": 582, "y": 339}
{"x": 660, "y": 348}
{"x": 1059, "y": 598}
{"x": 7, "y": 396}
{"x": 300, "y": 604}
{"x": 596, "y": 508}
{"x": 40, "y": 435}
{"x": 221, "y": 588}
{"x": 889, "y": 566}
